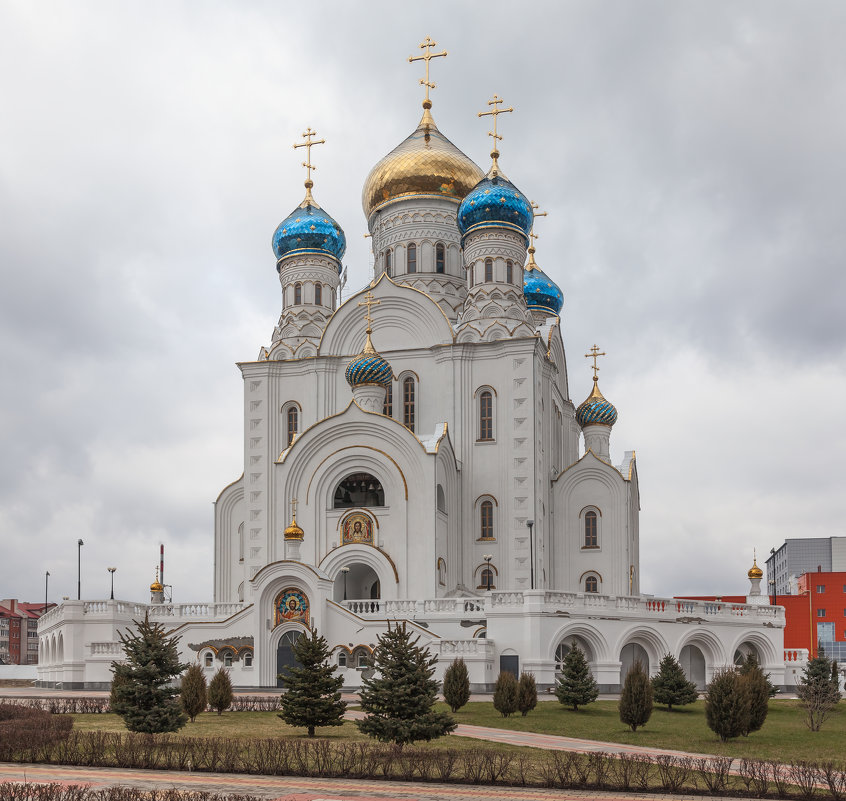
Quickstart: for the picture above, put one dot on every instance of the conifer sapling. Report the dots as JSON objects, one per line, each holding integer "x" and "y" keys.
{"x": 457, "y": 685}
{"x": 576, "y": 686}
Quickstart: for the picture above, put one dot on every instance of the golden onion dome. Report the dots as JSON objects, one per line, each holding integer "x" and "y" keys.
{"x": 426, "y": 163}
{"x": 755, "y": 572}
{"x": 157, "y": 586}
{"x": 294, "y": 532}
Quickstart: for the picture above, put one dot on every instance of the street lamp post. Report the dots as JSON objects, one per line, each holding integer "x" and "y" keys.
{"x": 46, "y": 584}
{"x": 112, "y": 571}
{"x": 79, "y": 544}
{"x": 772, "y": 581}
{"x": 345, "y": 570}
{"x": 487, "y": 557}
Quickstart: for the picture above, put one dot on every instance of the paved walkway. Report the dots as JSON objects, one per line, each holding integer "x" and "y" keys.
{"x": 284, "y": 788}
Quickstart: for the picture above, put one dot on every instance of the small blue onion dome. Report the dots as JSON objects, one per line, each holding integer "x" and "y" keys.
{"x": 495, "y": 203}
{"x": 540, "y": 291}
{"x": 368, "y": 368}
{"x": 309, "y": 229}
{"x": 595, "y": 410}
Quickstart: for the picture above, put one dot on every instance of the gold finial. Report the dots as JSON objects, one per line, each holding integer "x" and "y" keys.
{"x": 293, "y": 532}
{"x": 369, "y": 302}
{"x": 294, "y": 503}
{"x": 495, "y": 112}
{"x": 595, "y": 354}
{"x": 308, "y": 144}
{"x": 426, "y": 45}
{"x": 533, "y": 236}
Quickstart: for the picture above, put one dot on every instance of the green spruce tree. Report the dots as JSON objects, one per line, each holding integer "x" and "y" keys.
{"x": 527, "y": 693}
{"x": 636, "y": 697}
{"x": 758, "y": 688}
{"x": 818, "y": 695}
{"x": 313, "y": 690}
{"x": 400, "y": 696}
{"x": 727, "y": 704}
{"x": 193, "y": 694}
{"x": 142, "y": 689}
{"x": 220, "y": 691}
{"x": 457, "y": 685}
{"x": 505, "y": 694}
{"x": 576, "y": 686}
{"x": 670, "y": 685}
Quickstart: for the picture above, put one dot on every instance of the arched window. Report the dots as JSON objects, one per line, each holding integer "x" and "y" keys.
{"x": 359, "y": 489}
{"x": 509, "y": 271}
{"x": 389, "y": 261}
{"x": 334, "y": 297}
{"x": 342, "y": 658}
{"x": 486, "y": 530}
{"x": 298, "y": 294}
{"x": 470, "y": 274}
{"x": 441, "y": 499}
{"x": 591, "y": 584}
{"x": 441, "y": 571}
{"x": 486, "y": 416}
{"x": 241, "y": 543}
{"x": 318, "y": 294}
{"x": 248, "y": 658}
{"x": 440, "y": 258}
{"x": 408, "y": 403}
{"x": 487, "y": 580}
{"x": 591, "y": 532}
{"x": 360, "y": 657}
{"x": 488, "y": 270}
{"x": 227, "y": 659}
{"x": 412, "y": 258}
{"x": 293, "y": 423}
{"x": 208, "y": 659}
{"x": 388, "y": 408}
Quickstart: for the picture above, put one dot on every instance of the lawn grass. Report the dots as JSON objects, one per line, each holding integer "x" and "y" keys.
{"x": 784, "y": 736}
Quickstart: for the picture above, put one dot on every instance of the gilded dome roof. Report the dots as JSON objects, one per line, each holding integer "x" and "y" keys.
{"x": 755, "y": 572}
{"x": 426, "y": 163}
{"x": 596, "y": 410}
{"x": 294, "y": 532}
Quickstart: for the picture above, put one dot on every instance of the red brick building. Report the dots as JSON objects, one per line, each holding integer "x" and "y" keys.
{"x": 19, "y": 631}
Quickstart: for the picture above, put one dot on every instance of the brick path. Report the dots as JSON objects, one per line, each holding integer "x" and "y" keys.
{"x": 285, "y": 788}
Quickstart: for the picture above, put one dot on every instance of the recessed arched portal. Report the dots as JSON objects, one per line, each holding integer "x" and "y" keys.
{"x": 631, "y": 653}
{"x": 745, "y": 649}
{"x": 285, "y": 654}
{"x": 356, "y": 582}
{"x": 692, "y": 661}
{"x": 565, "y": 646}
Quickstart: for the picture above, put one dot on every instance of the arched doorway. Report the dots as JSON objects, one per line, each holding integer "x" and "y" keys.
{"x": 565, "y": 646}
{"x": 692, "y": 661}
{"x": 285, "y": 654}
{"x": 356, "y": 582}
{"x": 631, "y": 653}
{"x": 744, "y": 650}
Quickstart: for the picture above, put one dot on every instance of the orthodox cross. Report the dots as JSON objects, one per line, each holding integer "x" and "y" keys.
{"x": 368, "y": 301}
{"x": 535, "y": 213}
{"x": 427, "y": 56}
{"x": 495, "y": 112}
{"x": 308, "y": 144}
{"x": 294, "y": 508}
{"x": 594, "y": 354}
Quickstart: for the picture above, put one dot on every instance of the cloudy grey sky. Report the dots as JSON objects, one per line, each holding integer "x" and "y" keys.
{"x": 691, "y": 156}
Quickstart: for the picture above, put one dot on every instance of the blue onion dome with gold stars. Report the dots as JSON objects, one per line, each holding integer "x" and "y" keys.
{"x": 426, "y": 163}
{"x": 495, "y": 203}
{"x": 368, "y": 367}
{"x": 595, "y": 410}
{"x": 309, "y": 229}
{"x": 540, "y": 291}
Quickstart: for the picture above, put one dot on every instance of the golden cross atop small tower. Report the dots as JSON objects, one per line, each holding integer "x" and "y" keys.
{"x": 595, "y": 354}
{"x": 294, "y": 503}
{"x": 369, "y": 302}
{"x": 495, "y": 112}
{"x": 532, "y": 235}
{"x": 308, "y": 144}
{"x": 426, "y": 45}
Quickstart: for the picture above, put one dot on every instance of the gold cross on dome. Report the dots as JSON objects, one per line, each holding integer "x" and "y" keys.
{"x": 535, "y": 214}
{"x": 308, "y": 144}
{"x": 426, "y": 45}
{"x": 294, "y": 503}
{"x": 594, "y": 354}
{"x": 495, "y": 112}
{"x": 369, "y": 301}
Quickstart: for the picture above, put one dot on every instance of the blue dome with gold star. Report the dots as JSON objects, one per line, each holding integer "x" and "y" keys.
{"x": 596, "y": 410}
{"x": 540, "y": 291}
{"x": 496, "y": 203}
{"x": 309, "y": 229}
{"x": 368, "y": 368}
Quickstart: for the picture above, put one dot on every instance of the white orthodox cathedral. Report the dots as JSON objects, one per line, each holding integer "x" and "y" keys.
{"x": 414, "y": 454}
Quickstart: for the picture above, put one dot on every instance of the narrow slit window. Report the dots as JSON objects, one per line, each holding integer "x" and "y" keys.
{"x": 440, "y": 258}
{"x": 408, "y": 403}
{"x": 388, "y": 408}
{"x": 591, "y": 537}
{"x": 389, "y": 261}
{"x": 488, "y": 271}
{"x": 485, "y": 416}
{"x": 509, "y": 271}
{"x": 486, "y": 521}
{"x": 298, "y": 294}
{"x": 412, "y": 258}
{"x": 318, "y": 294}
{"x": 293, "y": 422}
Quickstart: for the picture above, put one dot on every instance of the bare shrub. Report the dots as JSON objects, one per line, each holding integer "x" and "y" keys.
{"x": 755, "y": 775}
{"x": 805, "y": 776}
{"x": 714, "y": 772}
{"x": 835, "y": 778}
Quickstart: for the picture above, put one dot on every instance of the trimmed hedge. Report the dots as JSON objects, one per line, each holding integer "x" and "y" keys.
{"x": 9, "y": 791}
